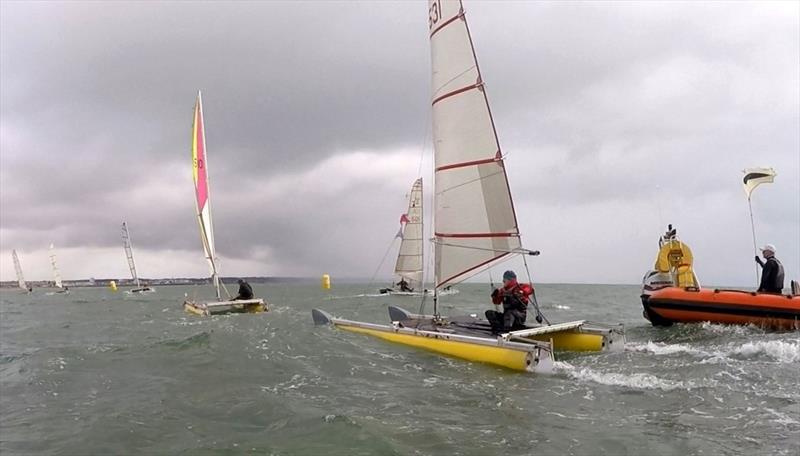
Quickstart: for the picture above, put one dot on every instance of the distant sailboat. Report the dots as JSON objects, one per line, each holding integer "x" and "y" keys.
{"x": 203, "y": 204}
{"x": 126, "y": 243}
{"x": 56, "y": 272}
{"x": 20, "y": 278}
{"x": 408, "y": 269}
{"x": 475, "y": 221}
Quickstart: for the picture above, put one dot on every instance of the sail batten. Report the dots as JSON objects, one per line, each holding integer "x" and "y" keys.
{"x": 410, "y": 263}
{"x": 202, "y": 190}
{"x": 475, "y": 222}
{"x": 18, "y": 269}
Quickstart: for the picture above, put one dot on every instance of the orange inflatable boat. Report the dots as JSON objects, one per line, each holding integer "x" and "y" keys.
{"x": 688, "y": 305}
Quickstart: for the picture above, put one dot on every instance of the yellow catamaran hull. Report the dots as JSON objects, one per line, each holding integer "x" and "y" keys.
{"x": 532, "y": 356}
{"x": 574, "y": 336}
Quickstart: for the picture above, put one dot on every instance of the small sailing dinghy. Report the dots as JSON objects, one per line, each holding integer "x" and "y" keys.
{"x": 202, "y": 200}
{"x": 126, "y": 243}
{"x": 475, "y": 222}
{"x": 20, "y": 278}
{"x": 56, "y": 274}
{"x": 408, "y": 269}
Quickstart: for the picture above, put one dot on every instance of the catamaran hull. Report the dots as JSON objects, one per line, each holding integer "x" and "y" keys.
{"x": 393, "y": 292}
{"x": 578, "y": 336}
{"x": 535, "y": 357}
{"x": 143, "y": 290}
{"x": 225, "y": 307}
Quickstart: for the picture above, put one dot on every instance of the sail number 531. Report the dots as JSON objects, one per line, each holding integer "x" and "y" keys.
{"x": 434, "y": 13}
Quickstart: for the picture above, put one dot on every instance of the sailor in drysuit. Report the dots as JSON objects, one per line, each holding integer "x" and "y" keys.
{"x": 515, "y": 297}
{"x": 772, "y": 276}
{"x": 404, "y": 285}
{"x": 245, "y": 291}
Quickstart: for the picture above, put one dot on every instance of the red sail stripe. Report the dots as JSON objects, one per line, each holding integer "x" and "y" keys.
{"x": 446, "y": 23}
{"x": 456, "y": 92}
{"x": 475, "y": 235}
{"x": 470, "y": 163}
{"x": 438, "y": 285}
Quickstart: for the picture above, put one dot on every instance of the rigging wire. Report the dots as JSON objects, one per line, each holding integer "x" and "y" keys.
{"x": 534, "y": 301}
{"x": 383, "y": 260}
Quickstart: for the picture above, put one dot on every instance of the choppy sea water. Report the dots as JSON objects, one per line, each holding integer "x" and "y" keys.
{"x": 102, "y": 373}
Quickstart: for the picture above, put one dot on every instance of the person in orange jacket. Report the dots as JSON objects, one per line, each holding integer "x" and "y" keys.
{"x": 515, "y": 297}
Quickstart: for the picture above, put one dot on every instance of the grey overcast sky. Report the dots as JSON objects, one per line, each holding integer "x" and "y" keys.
{"x": 617, "y": 118}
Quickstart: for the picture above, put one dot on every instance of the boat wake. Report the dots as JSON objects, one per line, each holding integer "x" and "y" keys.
{"x": 362, "y": 295}
{"x": 637, "y": 381}
{"x": 784, "y": 352}
{"x": 777, "y": 350}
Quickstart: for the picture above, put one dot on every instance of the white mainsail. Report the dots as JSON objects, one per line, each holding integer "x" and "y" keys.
{"x": 474, "y": 222}
{"x": 202, "y": 193}
{"x": 126, "y": 243}
{"x": 56, "y": 273}
{"x": 18, "y": 269}
{"x": 409, "y": 258}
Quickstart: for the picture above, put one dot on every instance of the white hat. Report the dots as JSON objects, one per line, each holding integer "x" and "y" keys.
{"x": 768, "y": 248}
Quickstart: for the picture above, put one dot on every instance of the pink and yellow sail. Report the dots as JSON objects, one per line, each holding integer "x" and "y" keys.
{"x": 200, "y": 175}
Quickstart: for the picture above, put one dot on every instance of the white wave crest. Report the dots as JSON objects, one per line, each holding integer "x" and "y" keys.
{"x": 784, "y": 352}
{"x": 781, "y": 351}
{"x": 659, "y": 348}
{"x": 739, "y": 330}
{"x": 635, "y": 381}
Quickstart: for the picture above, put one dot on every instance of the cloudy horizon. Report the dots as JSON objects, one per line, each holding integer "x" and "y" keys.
{"x": 616, "y": 119}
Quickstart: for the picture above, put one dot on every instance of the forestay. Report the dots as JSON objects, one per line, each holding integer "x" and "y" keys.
{"x": 201, "y": 187}
{"x": 475, "y": 223}
{"x": 409, "y": 258}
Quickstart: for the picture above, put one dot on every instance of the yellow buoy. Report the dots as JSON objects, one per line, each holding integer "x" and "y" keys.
{"x": 112, "y": 285}
{"x": 326, "y": 281}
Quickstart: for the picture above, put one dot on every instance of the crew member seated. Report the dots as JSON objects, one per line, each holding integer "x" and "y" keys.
{"x": 245, "y": 291}
{"x": 404, "y": 285}
{"x": 515, "y": 297}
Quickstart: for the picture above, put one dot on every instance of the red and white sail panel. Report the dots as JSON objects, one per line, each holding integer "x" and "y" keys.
{"x": 475, "y": 223}
{"x": 409, "y": 258}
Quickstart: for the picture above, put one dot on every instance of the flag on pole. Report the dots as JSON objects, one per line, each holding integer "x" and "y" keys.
{"x": 753, "y": 177}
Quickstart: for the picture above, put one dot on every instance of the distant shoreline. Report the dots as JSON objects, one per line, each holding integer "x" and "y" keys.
{"x": 102, "y": 283}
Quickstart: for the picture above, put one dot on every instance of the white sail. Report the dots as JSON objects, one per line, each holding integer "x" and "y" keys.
{"x": 202, "y": 190}
{"x": 56, "y": 273}
{"x": 18, "y": 269}
{"x": 126, "y": 243}
{"x": 409, "y": 258}
{"x": 474, "y": 221}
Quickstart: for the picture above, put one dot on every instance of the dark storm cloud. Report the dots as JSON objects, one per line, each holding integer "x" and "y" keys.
{"x": 600, "y": 107}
